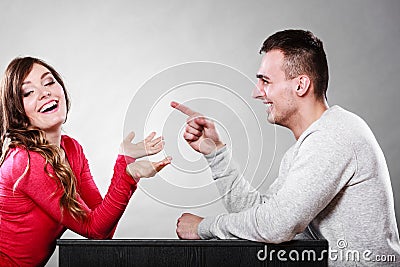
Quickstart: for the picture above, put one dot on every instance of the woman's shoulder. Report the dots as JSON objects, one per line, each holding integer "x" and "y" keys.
{"x": 70, "y": 144}
{"x": 19, "y": 154}
{"x": 17, "y": 160}
{"x": 68, "y": 140}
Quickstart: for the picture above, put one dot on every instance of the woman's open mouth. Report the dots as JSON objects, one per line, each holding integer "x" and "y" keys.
{"x": 50, "y": 106}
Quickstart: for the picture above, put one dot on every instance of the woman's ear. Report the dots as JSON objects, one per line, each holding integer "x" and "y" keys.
{"x": 303, "y": 85}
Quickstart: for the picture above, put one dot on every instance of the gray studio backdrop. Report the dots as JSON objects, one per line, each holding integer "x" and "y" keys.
{"x": 115, "y": 57}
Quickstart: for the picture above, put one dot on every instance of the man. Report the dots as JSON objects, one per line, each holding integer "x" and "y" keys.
{"x": 333, "y": 181}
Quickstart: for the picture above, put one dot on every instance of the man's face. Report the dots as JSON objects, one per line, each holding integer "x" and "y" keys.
{"x": 276, "y": 92}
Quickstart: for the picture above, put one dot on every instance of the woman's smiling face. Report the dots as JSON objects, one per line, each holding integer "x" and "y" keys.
{"x": 44, "y": 99}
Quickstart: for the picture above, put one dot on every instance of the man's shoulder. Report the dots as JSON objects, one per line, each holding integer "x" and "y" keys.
{"x": 339, "y": 117}
{"x": 340, "y": 125}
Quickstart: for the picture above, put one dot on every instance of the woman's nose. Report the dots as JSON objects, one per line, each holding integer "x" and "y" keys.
{"x": 45, "y": 93}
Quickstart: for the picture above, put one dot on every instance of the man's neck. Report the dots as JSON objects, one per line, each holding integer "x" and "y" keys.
{"x": 306, "y": 116}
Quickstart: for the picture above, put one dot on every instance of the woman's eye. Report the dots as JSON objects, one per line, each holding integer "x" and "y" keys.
{"x": 27, "y": 93}
{"x": 49, "y": 83}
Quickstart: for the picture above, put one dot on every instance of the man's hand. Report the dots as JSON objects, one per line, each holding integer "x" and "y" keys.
{"x": 145, "y": 168}
{"x": 186, "y": 227}
{"x": 200, "y": 132}
{"x": 147, "y": 147}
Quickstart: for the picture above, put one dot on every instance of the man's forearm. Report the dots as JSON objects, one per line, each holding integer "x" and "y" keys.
{"x": 237, "y": 193}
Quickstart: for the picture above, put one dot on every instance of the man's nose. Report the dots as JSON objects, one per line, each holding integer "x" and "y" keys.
{"x": 258, "y": 92}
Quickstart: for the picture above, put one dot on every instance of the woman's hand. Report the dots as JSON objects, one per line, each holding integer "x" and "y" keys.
{"x": 145, "y": 168}
{"x": 147, "y": 147}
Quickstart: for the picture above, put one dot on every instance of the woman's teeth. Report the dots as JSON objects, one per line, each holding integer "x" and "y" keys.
{"x": 49, "y": 106}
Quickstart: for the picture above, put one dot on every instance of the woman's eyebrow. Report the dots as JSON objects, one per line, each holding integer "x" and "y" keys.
{"x": 41, "y": 77}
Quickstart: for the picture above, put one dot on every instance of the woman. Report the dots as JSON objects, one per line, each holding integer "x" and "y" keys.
{"x": 45, "y": 182}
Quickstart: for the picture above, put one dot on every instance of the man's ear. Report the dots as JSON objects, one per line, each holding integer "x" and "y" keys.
{"x": 303, "y": 85}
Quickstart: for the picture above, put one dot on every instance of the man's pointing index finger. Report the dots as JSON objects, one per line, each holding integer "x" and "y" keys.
{"x": 182, "y": 108}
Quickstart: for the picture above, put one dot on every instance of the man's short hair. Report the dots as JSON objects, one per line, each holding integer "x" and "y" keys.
{"x": 303, "y": 54}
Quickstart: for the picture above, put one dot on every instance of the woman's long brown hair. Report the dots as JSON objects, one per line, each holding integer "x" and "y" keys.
{"x": 16, "y": 131}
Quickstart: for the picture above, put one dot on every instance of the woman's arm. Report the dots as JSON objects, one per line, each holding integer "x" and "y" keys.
{"x": 102, "y": 215}
{"x": 46, "y": 192}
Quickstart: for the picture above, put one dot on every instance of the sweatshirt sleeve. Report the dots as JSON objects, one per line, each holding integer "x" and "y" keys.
{"x": 320, "y": 169}
{"x": 46, "y": 192}
{"x": 237, "y": 194}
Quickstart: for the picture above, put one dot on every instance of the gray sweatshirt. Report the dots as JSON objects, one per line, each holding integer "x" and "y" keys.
{"x": 333, "y": 180}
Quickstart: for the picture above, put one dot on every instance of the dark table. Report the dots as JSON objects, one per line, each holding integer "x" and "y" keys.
{"x": 174, "y": 252}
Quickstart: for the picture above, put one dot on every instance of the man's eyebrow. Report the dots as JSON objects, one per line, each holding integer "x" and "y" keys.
{"x": 41, "y": 77}
{"x": 263, "y": 77}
